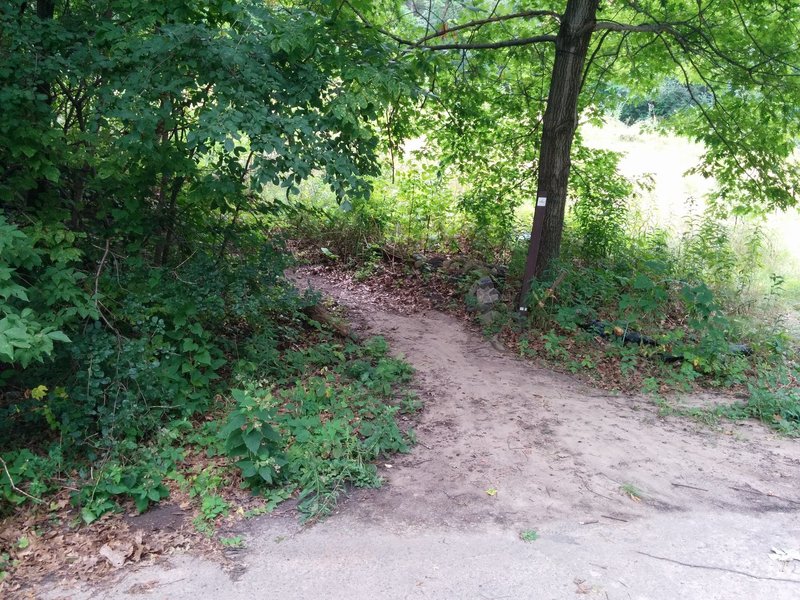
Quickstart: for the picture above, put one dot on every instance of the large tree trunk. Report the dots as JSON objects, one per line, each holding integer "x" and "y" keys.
{"x": 558, "y": 130}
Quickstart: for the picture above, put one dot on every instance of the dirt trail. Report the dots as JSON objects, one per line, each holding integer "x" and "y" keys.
{"x": 714, "y": 503}
{"x": 552, "y": 447}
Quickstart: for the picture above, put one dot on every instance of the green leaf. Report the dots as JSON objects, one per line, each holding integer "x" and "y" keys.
{"x": 203, "y": 358}
{"x": 59, "y": 336}
{"x": 643, "y": 282}
{"x": 235, "y": 422}
{"x": 252, "y": 440}
{"x": 88, "y": 515}
{"x": 6, "y": 349}
{"x": 142, "y": 501}
{"x": 51, "y": 173}
{"x": 266, "y": 474}
{"x": 269, "y": 433}
{"x": 248, "y": 468}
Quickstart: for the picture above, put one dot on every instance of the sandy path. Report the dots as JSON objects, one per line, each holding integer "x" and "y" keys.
{"x": 557, "y": 453}
{"x": 552, "y": 447}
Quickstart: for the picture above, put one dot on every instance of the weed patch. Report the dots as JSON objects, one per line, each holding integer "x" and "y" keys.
{"x": 322, "y": 432}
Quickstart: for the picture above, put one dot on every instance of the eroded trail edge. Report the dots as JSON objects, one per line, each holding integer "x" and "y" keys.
{"x": 624, "y": 504}
{"x": 551, "y": 447}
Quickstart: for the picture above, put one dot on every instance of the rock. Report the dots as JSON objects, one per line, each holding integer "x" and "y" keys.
{"x": 500, "y": 271}
{"x": 485, "y": 294}
{"x": 435, "y": 262}
{"x": 472, "y": 265}
{"x": 116, "y": 557}
{"x": 456, "y": 266}
{"x": 483, "y": 283}
{"x": 487, "y": 298}
{"x": 487, "y": 318}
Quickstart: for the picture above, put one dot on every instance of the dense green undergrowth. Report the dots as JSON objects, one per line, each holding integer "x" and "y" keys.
{"x": 108, "y": 408}
{"x": 145, "y": 150}
{"x": 644, "y": 320}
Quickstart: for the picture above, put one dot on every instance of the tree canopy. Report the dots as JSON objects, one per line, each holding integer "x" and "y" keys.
{"x": 500, "y": 73}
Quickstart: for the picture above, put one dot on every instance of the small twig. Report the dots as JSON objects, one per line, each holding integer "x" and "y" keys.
{"x": 111, "y": 252}
{"x": 100, "y": 308}
{"x": 454, "y": 499}
{"x": 691, "y": 487}
{"x": 99, "y": 271}
{"x": 175, "y": 270}
{"x": 551, "y": 291}
{"x": 99, "y": 305}
{"x": 598, "y": 494}
{"x": 419, "y": 462}
{"x": 13, "y": 485}
{"x": 767, "y": 494}
{"x": 714, "y": 568}
{"x": 614, "y": 518}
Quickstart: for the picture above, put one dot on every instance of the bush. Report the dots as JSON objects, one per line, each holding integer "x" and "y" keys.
{"x": 154, "y": 359}
{"x": 323, "y": 431}
{"x": 42, "y": 296}
{"x": 644, "y": 288}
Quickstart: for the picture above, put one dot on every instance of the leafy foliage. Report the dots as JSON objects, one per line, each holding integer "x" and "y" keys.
{"x": 603, "y": 198}
{"x": 41, "y": 292}
{"x": 145, "y": 147}
{"x": 773, "y": 398}
{"x": 670, "y": 98}
{"x": 321, "y": 432}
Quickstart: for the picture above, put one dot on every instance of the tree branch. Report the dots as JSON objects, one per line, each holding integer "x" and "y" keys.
{"x": 13, "y": 485}
{"x": 536, "y": 39}
{"x": 629, "y": 27}
{"x": 702, "y": 108}
{"x": 367, "y": 23}
{"x": 465, "y": 46}
{"x": 715, "y": 568}
{"x": 529, "y": 14}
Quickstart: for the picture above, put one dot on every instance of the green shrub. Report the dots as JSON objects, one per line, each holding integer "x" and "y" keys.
{"x": 774, "y": 398}
{"x": 154, "y": 360}
{"x": 322, "y": 432}
{"x": 43, "y": 295}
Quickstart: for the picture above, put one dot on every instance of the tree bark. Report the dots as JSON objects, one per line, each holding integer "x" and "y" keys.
{"x": 558, "y": 130}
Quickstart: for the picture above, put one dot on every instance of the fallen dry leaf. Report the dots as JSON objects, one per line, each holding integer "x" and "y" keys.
{"x": 115, "y": 557}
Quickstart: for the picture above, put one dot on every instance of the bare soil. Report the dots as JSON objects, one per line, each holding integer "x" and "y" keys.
{"x": 626, "y": 503}
{"x": 550, "y": 445}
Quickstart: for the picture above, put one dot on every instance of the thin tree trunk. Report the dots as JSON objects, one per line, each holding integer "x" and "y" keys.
{"x": 558, "y": 130}
{"x": 45, "y": 11}
{"x": 172, "y": 220}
